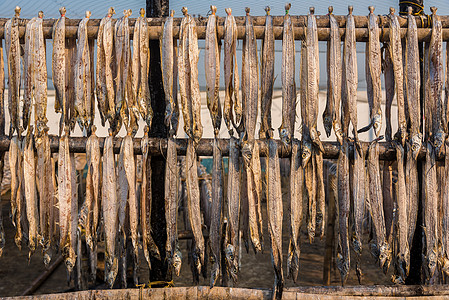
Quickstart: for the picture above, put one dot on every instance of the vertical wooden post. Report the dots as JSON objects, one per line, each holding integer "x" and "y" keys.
{"x": 157, "y": 8}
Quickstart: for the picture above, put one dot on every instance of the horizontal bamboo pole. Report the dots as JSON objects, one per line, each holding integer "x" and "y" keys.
{"x": 158, "y": 146}
{"x": 155, "y": 31}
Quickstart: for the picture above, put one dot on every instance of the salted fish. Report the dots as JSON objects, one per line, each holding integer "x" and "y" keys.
{"x": 193, "y": 206}
{"x": 140, "y": 68}
{"x": 312, "y": 78}
{"x": 110, "y": 207}
{"x": 66, "y": 202}
{"x": 275, "y": 215}
{"x": 169, "y": 75}
{"x": 233, "y": 205}
{"x": 286, "y": 131}
{"x": 231, "y": 74}
{"x": 267, "y": 77}
{"x": 172, "y": 249}
{"x": 350, "y": 79}
{"x": 296, "y": 211}
{"x": 13, "y": 63}
{"x": 395, "y": 47}
{"x": 216, "y": 214}
{"x": 14, "y": 166}
{"x": 331, "y": 115}
{"x": 445, "y": 209}
{"x": 83, "y": 83}
{"x": 212, "y": 70}
{"x": 58, "y": 63}
{"x": 2, "y": 90}
{"x": 382, "y": 250}
{"x": 28, "y": 72}
{"x": 32, "y": 210}
{"x": 2, "y": 229}
{"x": 389, "y": 91}
{"x": 373, "y": 70}
{"x": 343, "y": 254}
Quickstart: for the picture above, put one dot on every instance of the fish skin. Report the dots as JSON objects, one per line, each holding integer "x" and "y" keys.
{"x": 445, "y": 210}
{"x": 100, "y": 74}
{"x": 395, "y": 48}
{"x": 14, "y": 78}
{"x": 310, "y": 184}
{"x": 2, "y": 90}
{"x": 58, "y": 66}
{"x": 389, "y": 91}
{"x": 65, "y": 195}
{"x": 388, "y": 197}
{"x": 382, "y": 248}
{"x": 233, "y": 197}
{"x": 193, "y": 207}
{"x": 350, "y": 79}
{"x": 184, "y": 82}
{"x": 286, "y": 131}
{"x": 145, "y": 209}
{"x": 320, "y": 194}
{"x": 296, "y": 211}
{"x": 244, "y": 209}
{"x": 275, "y": 215}
{"x": 267, "y": 78}
{"x": 216, "y": 214}
{"x": 2, "y": 230}
{"x": 171, "y": 207}
{"x": 430, "y": 213}
{"x": 32, "y": 211}
{"x": 110, "y": 210}
{"x": 108, "y": 44}
{"x": 15, "y": 169}
{"x": 343, "y": 255}
{"x": 140, "y": 68}
{"x": 28, "y": 70}
{"x": 359, "y": 196}
{"x": 412, "y": 191}
{"x": 212, "y": 71}
{"x": 231, "y": 74}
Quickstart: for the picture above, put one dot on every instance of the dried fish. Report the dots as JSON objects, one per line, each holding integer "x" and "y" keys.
{"x": 169, "y": 70}
{"x": 320, "y": 194}
{"x": 110, "y": 206}
{"x": 430, "y": 213}
{"x": 172, "y": 249}
{"x": 395, "y": 48}
{"x": 212, "y": 66}
{"x": 231, "y": 74}
{"x": 14, "y": 167}
{"x": 381, "y": 248}
{"x": 286, "y": 131}
{"x": 193, "y": 206}
{"x": 59, "y": 62}
{"x": 140, "y": 67}
{"x": 331, "y": 115}
{"x": 445, "y": 214}
{"x": 412, "y": 190}
{"x": 373, "y": 70}
{"x": 275, "y": 215}
{"x": 233, "y": 204}
{"x": 2, "y": 90}
{"x": 296, "y": 211}
{"x": 83, "y": 83}
{"x": 343, "y": 258}
{"x": 244, "y": 209}
{"x": 28, "y": 70}
{"x": 310, "y": 183}
{"x": 32, "y": 211}
{"x": 216, "y": 214}
{"x": 267, "y": 77}
{"x": 2, "y": 230}
{"x": 350, "y": 79}
{"x": 13, "y": 63}
{"x": 389, "y": 90}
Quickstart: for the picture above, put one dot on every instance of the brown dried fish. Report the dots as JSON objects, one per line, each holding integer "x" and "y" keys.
{"x": 59, "y": 59}
{"x": 32, "y": 210}
{"x": 2, "y": 90}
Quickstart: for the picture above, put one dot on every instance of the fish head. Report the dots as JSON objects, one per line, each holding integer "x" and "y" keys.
{"x": 327, "y": 122}
{"x": 177, "y": 261}
{"x": 416, "y": 143}
{"x": 315, "y": 137}
{"x": 306, "y": 152}
{"x": 445, "y": 265}
{"x": 338, "y": 132}
{"x": 385, "y": 256}
{"x": 438, "y": 140}
{"x": 231, "y": 262}
{"x": 343, "y": 267}
{"x": 197, "y": 261}
{"x": 247, "y": 151}
{"x": 285, "y": 136}
{"x": 432, "y": 262}
{"x": 377, "y": 123}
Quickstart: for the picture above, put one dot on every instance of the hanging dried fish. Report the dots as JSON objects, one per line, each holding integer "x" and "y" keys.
{"x": 275, "y": 215}
{"x": 2, "y": 90}
{"x": 343, "y": 255}
{"x": 310, "y": 184}
{"x": 110, "y": 206}
{"x": 413, "y": 83}
{"x": 395, "y": 48}
{"x": 445, "y": 208}
{"x": 29, "y": 169}
{"x": 28, "y": 70}
{"x": 267, "y": 77}
{"x": 66, "y": 202}
{"x": 296, "y": 211}
{"x": 212, "y": 66}
{"x": 320, "y": 193}
{"x": 216, "y": 214}
{"x": 231, "y": 74}
{"x": 233, "y": 204}
{"x": 350, "y": 79}
{"x": 13, "y": 62}
{"x": 389, "y": 90}
{"x": 172, "y": 249}
{"x": 140, "y": 68}
{"x": 83, "y": 84}
{"x": 193, "y": 206}
{"x": 169, "y": 75}
{"x": 2, "y": 229}
{"x": 380, "y": 248}
{"x": 286, "y": 131}
{"x": 59, "y": 62}
{"x": 373, "y": 71}
{"x": 15, "y": 169}
{"x": 312, "y": 78}
{"x": 145, "y": 197}
{"x": 331, "y": 115}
